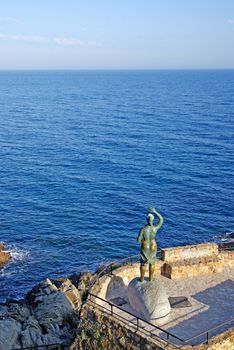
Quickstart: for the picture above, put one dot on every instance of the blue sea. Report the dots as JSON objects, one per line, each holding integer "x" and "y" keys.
{"x": 85, "y": 154}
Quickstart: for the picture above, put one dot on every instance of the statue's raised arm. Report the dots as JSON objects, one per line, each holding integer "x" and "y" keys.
{"x": 159, "y": 224}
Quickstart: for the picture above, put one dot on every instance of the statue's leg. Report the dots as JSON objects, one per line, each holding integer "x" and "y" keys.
{"x": 142, "y": 270}
{"x": 151, "y": 271}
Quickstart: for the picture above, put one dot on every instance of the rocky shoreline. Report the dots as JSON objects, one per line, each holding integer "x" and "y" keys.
{"x": 48, "y": 314}
{"x": 58, "y": 311}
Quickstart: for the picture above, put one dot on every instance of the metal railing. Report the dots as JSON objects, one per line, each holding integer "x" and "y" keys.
{"x": 207, "y": 334}
{"x": 45, "y": 347}
{"x": 225, "y": 248}
{"x": 110, "y": 267}
{"x": 138, "y": 323}
{"x": 138, "y": 320}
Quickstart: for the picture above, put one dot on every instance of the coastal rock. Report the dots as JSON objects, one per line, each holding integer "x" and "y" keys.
{"x": 37, "y": 294}
{"x": 82, "y": 278}
{"x": 32, "y": 333}
{"x": 19, "y": 311}
{"x": 53, "y": 308}
{"x": 149, "y": 299}
{"x": 53, "y": 301}
{"x": 36, "y": 334}
{"x": 49, "y": 314}
{"x": 5, "y": 257}
{"x": 71, "y": 293}
{"x": 51, "y": 339}
{"x": 9, "y": 332}
{"x": 3, "y": 311}
{"x": 56, "y": 335}
{"x": 82, "y": 281}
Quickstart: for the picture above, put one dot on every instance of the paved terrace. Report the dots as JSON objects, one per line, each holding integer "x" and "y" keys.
{"x": 211, "y": 297}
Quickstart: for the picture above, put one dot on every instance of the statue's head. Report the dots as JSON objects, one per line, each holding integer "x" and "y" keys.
{"x": 150, "y": 218}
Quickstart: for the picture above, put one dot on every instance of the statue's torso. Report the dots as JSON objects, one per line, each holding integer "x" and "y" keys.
{"x": 148, "y": 244}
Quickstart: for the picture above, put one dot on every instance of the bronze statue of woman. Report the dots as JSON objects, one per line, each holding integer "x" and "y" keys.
{"x": 146, "y": 237}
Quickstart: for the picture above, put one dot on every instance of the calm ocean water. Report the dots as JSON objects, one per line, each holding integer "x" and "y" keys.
{"x": 85, "y": 154}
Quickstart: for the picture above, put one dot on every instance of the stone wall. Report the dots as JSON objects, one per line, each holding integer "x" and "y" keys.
{"x": 194, "y": 260}
{"x": 227, "y": 258}
{"x": 99, "y": 330}
{"x": 223, "y": 341}
{"x": 179, "y": 262}
{"x": 189, "y": 252}
{"x": 192, "y": 267}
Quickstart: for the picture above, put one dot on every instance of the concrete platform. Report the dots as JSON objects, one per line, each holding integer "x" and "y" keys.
{"x": 211, "y": 298}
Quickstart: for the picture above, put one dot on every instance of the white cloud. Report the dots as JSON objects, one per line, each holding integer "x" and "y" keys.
{"x": 93, "y": 44}
{"x": 69, "y": 41}
{"x": 27, "y": 38}
{"x": 75, "y": 42}
{"x": 63, "y": 41}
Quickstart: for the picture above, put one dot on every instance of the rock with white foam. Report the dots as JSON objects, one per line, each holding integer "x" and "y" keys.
{"x": 5, "y": 257}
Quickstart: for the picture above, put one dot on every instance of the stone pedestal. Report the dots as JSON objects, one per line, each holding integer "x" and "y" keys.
{"x": 149, "y": 299}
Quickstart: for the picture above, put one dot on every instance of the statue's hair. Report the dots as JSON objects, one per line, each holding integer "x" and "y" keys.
{"x": 150, "y": 217}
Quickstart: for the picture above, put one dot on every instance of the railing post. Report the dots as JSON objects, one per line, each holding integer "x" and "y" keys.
{"x": 137, "y": 323}
{"x": 111, "y": 269}
{"x": 111, "y": 309}
{"x": 207, "y": 337}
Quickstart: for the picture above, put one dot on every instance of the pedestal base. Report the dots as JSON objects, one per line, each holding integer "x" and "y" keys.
{"x": 149, "y": 299}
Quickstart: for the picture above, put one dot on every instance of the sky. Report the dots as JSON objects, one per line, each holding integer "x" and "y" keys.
{"x": 116, "y": 34}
